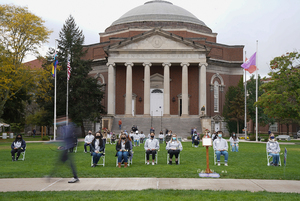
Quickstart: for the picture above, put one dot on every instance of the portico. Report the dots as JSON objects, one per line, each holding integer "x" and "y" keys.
{"x": 162, "y": 49}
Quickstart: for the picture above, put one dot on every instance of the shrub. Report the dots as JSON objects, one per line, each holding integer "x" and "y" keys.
{"x": 45, "y": 138}
{"x": 189, "y": 137}
{"x": 252, "y": 138}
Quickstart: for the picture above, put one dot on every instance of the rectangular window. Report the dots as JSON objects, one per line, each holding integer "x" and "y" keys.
{"x": 216, "y": 96}
{"x": 274, "y": 127}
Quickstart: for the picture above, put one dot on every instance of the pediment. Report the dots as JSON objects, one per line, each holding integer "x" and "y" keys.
{"x": 217, "y": 118}
{"x": 157, "y": 40}
{"x": 157, "y": 77}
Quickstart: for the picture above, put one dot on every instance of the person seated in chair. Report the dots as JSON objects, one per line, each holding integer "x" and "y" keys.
{"x": 18, "y": 146}
{"x": 168, "y": 137}
{"x": 88, "y": 140}
{"x": 113, "y": 138}
{"x": 123, "y": 150}
{"x": 195, "y": 139}
{"x": 174, "y": 147}
{"x": 151, "y": 146}
{"x": 136, "y": 138}
{"x": 142, "y": 137}
{"x": 97, "y": 146}
{"x": 234, "y": 142}
{"x": 161, "y": 137}
{"x": 273, "y": 149}
{"x": 220, "y": 146}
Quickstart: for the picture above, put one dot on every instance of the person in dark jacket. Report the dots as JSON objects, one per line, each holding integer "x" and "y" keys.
{"x": 97, "y": 146}
{"x": 195, "y": 139}
{"x": 18, "y": 146}
{"x": 67, "y": 134}
{"x": 123, "y": 150}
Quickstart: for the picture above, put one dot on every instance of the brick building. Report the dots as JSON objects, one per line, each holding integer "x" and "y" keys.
{"x": 161, "y": 64}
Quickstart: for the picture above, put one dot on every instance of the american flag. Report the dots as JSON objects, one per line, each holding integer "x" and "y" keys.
{"x": 69, "y": 68}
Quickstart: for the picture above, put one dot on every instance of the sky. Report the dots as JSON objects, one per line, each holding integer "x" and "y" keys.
{"x": 270, "y": 27}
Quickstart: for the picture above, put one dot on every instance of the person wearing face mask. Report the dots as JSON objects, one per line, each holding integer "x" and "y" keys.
{"x": 142, "y": 136}
{"x": 136, "y": 138}
{"x": 168, "y": 137}
{"x": 97, "y": 146}
{"x": 220, "y": 146}
{"x": 234, "y": 142}
{"x": 88, "y": 140}
{"x": 131, "y": 136}
{"x": 161, "y": 137}
{"x": 123, "y": 149}
{"x": 195, "y": 139}
{"x": 18, "y": 146}
{"x": 174, "y": 147}
{"x": 151, "y": 146}
{"x": 273, "y": 149}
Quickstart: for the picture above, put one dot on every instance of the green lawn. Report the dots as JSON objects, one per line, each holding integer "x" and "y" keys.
{"x": 147, "y": 195}
{"x": 249, "y": 163}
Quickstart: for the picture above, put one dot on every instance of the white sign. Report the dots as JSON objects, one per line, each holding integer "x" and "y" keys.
{"x": 206, "y": 142}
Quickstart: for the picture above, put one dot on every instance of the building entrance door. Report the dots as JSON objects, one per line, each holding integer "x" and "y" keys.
{"x": 156, "y": 102}
{"x": 217, "y": 126}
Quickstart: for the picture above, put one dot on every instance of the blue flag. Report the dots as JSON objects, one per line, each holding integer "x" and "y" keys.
{"x": 285, "y": 156}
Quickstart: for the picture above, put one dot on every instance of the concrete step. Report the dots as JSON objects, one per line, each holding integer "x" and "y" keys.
{"x": 180, "y": 126}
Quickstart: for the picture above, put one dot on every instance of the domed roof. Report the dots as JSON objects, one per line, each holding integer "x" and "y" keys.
{"x": 158, "y": 10}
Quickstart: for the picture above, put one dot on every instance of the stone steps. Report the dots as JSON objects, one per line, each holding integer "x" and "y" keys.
{"x": 179, "y": 125}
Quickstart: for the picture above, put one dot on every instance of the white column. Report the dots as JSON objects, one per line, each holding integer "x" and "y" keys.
{"x": 111, "y": 95}
{"x": 147, "y": 89}
{"x": 128, "y": 102}
{"x": 202, "y": 87}
{"x": 185, "y": 90}
{"x": 166, "y": 88}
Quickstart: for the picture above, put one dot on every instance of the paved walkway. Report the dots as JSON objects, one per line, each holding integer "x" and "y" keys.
{"x": 106, "y": 184}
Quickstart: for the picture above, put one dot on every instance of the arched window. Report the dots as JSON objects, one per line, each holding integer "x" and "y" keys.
{"x": 216, "y": 96}
{"x": 157, "y": 91}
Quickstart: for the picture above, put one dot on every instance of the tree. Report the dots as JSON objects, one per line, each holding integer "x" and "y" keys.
{"x": 263, "y": 118}
{"x": 281, "y": 99}
{"x": 85, "y": 93}
{"x": 234, "y": 107}
{"x": 21, "y": 33}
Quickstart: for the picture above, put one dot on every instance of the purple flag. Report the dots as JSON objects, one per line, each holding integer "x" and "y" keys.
{"x": 250, "y": 62}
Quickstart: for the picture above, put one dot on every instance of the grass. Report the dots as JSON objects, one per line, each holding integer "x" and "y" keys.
{"x": 148, "y": 194}
{"x": 249, "y": 163}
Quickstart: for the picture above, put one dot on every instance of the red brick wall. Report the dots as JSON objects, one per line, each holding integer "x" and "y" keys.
{"x": 229, "y": 80}
{"x": 225, "y": 52}
{"x": 193, "y": 79}
{"x": 138, "y": 87}
{"x": 175, "y": 87}
{"x": 120, "y": 88}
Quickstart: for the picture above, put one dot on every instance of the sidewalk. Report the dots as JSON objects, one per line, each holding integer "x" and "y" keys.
{"x": 106, "y": 184}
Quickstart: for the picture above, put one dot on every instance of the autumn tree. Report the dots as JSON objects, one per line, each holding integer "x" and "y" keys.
{"x": 281, "y": 99}
{"x": 21, "y": 33}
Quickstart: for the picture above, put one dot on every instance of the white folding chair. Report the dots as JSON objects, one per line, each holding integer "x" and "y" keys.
{"x": 151, "y": 157}
{"x": 269, "y": 158}
{"x": 103, "y": 160}
{"x": 23, "y": 154}
{"x": 122, "y": 162}
{"x": 168, "y": 158}
{"x": 215, "y": 158}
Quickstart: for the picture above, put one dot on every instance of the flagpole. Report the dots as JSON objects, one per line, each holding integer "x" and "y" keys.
{"x": 54, "y": 135}
{"x": 245, "y": 124}
{"x": 67, "y": 106}
{"x": 256, "y": 109}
